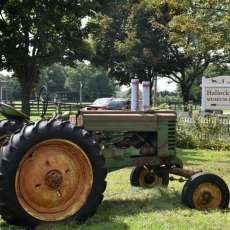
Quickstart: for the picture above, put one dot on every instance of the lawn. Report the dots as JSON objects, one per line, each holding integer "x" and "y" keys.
{"x": 126, "y": 207}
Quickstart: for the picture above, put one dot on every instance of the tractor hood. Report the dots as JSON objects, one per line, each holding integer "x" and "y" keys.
{"x": 135, "y": 121}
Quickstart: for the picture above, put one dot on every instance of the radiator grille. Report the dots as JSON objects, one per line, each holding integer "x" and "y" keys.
{"x": 171, "y": 135}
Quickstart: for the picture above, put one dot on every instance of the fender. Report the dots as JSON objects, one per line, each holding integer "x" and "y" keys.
{"x": 10, "y": 113}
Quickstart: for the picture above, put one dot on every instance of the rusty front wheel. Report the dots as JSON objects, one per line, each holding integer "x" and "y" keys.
{"x": 55, "y": 174}
{"x": 205, "y": 191}
{"x": 146, "y": 177}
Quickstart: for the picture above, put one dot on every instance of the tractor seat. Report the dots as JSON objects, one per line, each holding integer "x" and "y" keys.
{"x": 11, "y": 113}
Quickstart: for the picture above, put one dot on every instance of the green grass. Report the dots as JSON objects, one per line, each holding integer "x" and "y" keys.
{"x": 126, "y": 207}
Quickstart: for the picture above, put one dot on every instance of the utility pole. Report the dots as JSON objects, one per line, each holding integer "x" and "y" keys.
{"x": 155, "y": 91}
{"x": 80, "y": 92}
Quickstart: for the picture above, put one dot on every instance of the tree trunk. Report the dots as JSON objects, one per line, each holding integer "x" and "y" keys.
{"x": 185, "y": 91}
{"x": 28, "y": 76}
{"x": 151, "y": 93}
{"x": 26, "y": 94}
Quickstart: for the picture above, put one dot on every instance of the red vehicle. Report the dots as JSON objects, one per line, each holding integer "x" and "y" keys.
{"x": 109, "y": 104}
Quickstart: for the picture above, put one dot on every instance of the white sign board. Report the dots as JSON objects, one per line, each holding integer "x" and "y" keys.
{"x": 215, "y": 93}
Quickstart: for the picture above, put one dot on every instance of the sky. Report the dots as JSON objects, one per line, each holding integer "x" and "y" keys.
{"x": 4, "y": 72}
{"x": 163, "y": 84}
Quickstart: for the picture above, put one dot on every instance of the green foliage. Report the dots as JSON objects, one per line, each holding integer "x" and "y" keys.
{"x": 201, "y": 30}
{"x": 76, "y": 75}
{"x": 169, "y": 98}
{"x": 14, "y": 89}
{"x": 186, "y": 138}
{"x": 215, "y": 70}
{"x": 204, "y": 133}
{"x": 177, "y": 39}
{"x": 43, "y": 32}
{"x": 217, "y": 144}
{"x": 135, "y": 41}
{"x": 66, "y": 80}
{"x": 34, "y": 34}
{"x": 95, "y": 81}
{"x": 99, "y": 85}
{"x": 53, "y": 78}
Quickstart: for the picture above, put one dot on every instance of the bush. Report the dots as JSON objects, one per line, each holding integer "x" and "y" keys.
{"x": 217, "y": 144}
{"x": 202, "y": 134}
{"x": 186, "y": 139}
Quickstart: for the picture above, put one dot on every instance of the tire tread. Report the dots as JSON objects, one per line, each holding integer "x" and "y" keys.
{"x": 11, "y": 210}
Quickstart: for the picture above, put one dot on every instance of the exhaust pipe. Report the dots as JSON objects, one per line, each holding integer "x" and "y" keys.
{"x": 145, "y": 95}
{"x": 134, "y": 95}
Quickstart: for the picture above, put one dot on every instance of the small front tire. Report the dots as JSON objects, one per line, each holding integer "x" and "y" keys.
{"x": 146, "y": 177}
{"x": 205, "y": 191}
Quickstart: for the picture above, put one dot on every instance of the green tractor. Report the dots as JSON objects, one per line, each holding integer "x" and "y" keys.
{"x": 53, "y": 171}
{"x": 14, "y": 120}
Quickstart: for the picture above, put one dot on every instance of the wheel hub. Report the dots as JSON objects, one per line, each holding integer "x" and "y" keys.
{"x": 150, "y": 178}
{"x": 59, "y": 182}
{"x": 54, "y": 179}
{"x": 206, "y": 197}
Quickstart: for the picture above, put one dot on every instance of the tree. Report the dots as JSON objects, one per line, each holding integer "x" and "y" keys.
{"x": 77, "y": 75}
{"x": 13, "y": 90}
{"x": 99, "y": 85}
{"x": 215, "y": 70}
{"x": 137, "y": 44}
{"x": 94, "y": 81}
{"x": 189, "y": 36}
{"x": 34, "y": 34}
{"x": 201, "y": 31}
{"x": 53, "y": 78}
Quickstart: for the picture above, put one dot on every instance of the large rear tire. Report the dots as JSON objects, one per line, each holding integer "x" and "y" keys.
{"x": 7, "y": 127}
{"x": 50, "y": 173}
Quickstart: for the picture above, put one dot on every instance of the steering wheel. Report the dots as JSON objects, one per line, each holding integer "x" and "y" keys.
{"x": 42, "y": 101}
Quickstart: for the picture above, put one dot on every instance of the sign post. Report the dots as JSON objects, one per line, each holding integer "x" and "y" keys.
{"x": 203, "y": 94}
{"x": 215, "y": 93}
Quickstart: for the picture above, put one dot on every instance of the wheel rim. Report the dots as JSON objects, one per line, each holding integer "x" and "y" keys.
{"x": 53, "y": 180}
{"x": 148, "y": 179}
{"x": 207, "y": 195}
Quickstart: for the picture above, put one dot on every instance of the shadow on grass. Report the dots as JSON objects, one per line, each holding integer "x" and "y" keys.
{"x": 191, "y": 156}
{"x": 5, "y": 226}
{"x": 166, "y": 201}
{"x": 197, "y": 156}
{"x": 91, "y": 224}
{"x": 134, "y": 202}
